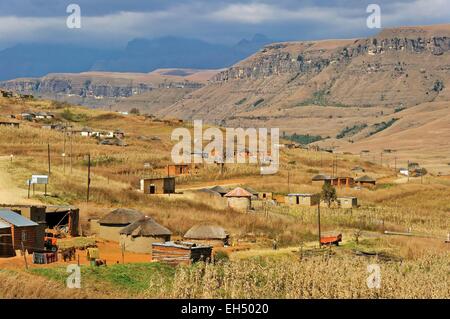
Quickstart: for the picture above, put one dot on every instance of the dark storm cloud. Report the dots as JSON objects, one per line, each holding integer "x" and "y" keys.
{"x": 114, "y": 22}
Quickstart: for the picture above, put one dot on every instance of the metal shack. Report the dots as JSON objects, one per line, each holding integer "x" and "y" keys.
{"x": 6, "y": 249}
{"x": 175, "y": 253}
{"x": 65, "y": 218}
{"x": 22, "y": 231}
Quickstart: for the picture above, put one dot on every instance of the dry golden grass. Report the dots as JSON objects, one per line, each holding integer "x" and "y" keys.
{"x": 116, "y": 170}
{"x": 25, "y": 286}
{"x": 318, "y": 277}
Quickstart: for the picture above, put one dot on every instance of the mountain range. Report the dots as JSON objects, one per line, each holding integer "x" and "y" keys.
{"x": 387, "y": 95}
{"x": 140, "y": 55}
{"x": 389, "y": 92}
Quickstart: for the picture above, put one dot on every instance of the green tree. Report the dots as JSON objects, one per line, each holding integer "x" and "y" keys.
{"x": 134, "y": 111}
{"x": 328, "y": 193}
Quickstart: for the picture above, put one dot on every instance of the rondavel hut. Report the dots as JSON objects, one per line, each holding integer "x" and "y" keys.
{"x": 139, "y": 236}
{"x": 239, "y": 199}
{"x": 209, "y": 234}
{"x": 110, "y": 225}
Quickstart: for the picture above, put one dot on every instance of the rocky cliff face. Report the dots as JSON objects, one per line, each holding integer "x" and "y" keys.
{"x": 92, "y": 87}
{"x": 276, "y": 59}
{"x": 397, "y": 68}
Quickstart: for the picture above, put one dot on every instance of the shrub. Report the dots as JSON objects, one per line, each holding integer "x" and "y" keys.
{"x": 134, "y": 111}
{"x": 221, "y": 256}
{"x": 258, "y": 102}
{"x": 350, "y": 131}
{"x": 328, "y": 193}
{"x": 304, "y": 138}
{"x": 68, "y": 115}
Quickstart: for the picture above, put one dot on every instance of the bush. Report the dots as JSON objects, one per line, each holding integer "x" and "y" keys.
{"x": 59, "y": 105}
{"x": 68, "y": 115}
{"x": 258, "y": 102}
{"x": 134, "y": 111}
{"x": 304, "y": 138}
{"x": 378, "y": 127}
{"x": 328, "y": 193}
{"x": 221, "y": 256}
{"x": 350, "y": 131}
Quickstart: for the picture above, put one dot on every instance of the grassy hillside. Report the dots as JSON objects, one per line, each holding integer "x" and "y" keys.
{"x": 420, "y": 205}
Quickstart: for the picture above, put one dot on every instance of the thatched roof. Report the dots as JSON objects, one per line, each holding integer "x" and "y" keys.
{"x": 251, "y": 191}
{"x": 206, "y": 232}
{"x": 321, "y": 177}
{"x": 365, "y": 178}
{"x": 208, "y": 191}
{"x": 238, "y": 192}
{"x": 219, "y": 189}
{"x": 145, "y": 226}
{"x": 121, "y": 216}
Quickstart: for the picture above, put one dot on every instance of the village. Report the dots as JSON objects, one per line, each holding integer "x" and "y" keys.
{"x": 98, "y": 189}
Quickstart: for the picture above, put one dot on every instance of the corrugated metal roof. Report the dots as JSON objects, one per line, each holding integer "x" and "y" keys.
{"x": 15, "y": 219}
{"x": 301, "y": 194}
{"x": 182, "y": 245}
{"x": 59, "y": 208}
{"x": 4, "y": 225}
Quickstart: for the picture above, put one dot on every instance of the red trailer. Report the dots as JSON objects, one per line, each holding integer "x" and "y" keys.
{"x": 331, "y": 239}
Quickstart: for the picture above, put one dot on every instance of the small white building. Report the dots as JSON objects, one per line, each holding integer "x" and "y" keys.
{"x": 86, "y": 132}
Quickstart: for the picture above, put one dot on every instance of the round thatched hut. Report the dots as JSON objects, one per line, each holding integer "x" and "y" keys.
{"x": 139, "y": 236}
{"x": 110, "y": 225}
{"x": 239, "y": 199}
{"x": 366, "y": 181}
{"x": 220, "y": 189}
{"x": 209, "y": 234}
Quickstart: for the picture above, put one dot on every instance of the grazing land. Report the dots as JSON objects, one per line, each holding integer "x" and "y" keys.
{"x": 414, "y": 261}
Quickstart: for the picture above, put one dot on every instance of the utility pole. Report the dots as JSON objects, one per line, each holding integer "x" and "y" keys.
{"x": 407, "y": 167}
{"x": 332, "y": 167}
{"x": 318, "y": 223}
{"x": 24, "y": 257}
{"x": 381, "y": 158}
{"x": 336, "y": 166}
{"x": 71, "y": 133}
{"x": 64, "y": 152}
{"x": 48, "y": 156}
{"x": 395, "y": 164}
{"x": 289, "y": 181}
{"x": 89, "y": 177}
{"x": 123, "y": 252}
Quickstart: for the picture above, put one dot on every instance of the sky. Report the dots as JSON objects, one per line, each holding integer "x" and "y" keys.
{"x": 112, "y": 23}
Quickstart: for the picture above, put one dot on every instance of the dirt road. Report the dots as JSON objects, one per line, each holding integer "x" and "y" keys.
{"x": 9, "y": 192}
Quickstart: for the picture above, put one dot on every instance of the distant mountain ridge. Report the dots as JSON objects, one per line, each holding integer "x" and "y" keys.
{"x": 398, "y": 67}
{"x": 391, "y": 90}
{"x": 140, "y": 55}
{"x": 100, "y": 89}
